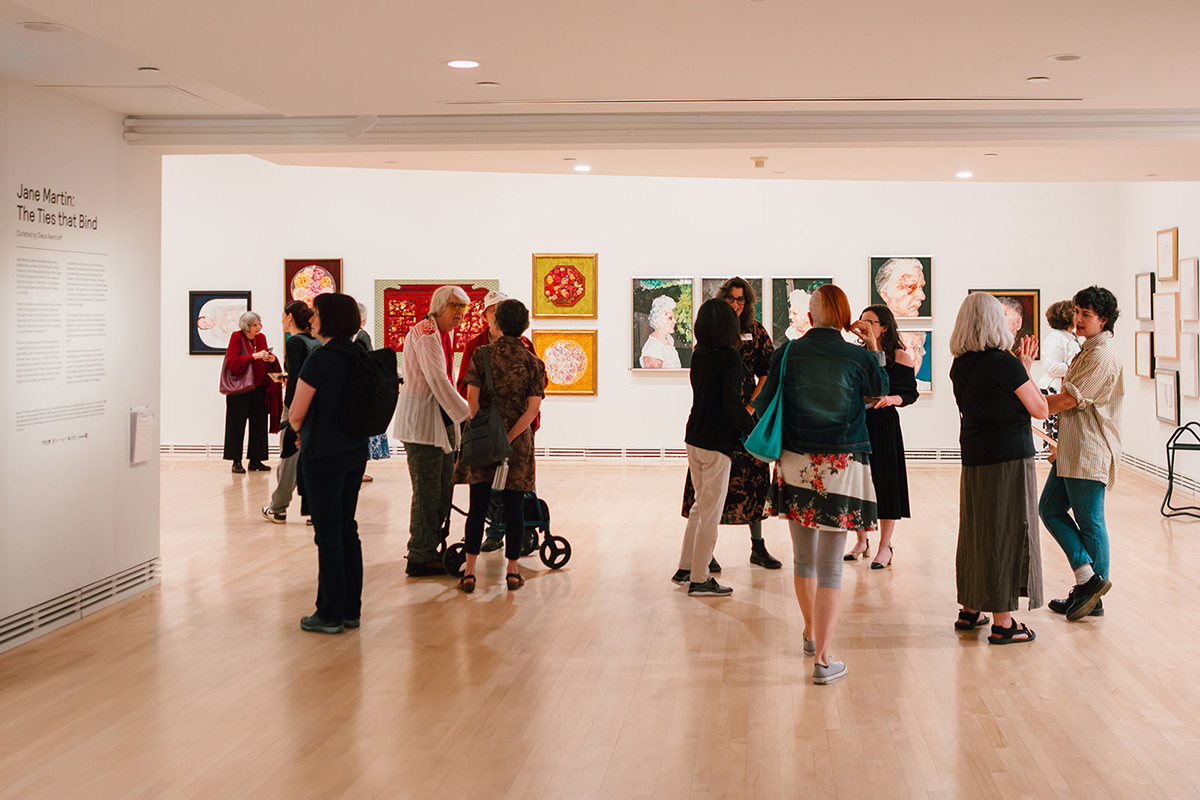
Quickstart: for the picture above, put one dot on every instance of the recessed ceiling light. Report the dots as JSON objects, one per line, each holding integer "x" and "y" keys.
{"x": 486, "y": 83}
{"x": 44, "y": 27}
{"x": 462, "y": 64}
{"x": 582, "y": 168}
{"x": 1065, "y": 57}
{"x": 991, "y": 155}
{"x": 964, "y": 174}
{"x": 147, "y": 69}
{"x": 1038, "y": 79}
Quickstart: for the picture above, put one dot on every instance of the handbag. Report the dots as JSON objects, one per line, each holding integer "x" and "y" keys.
{"x": 237, "y": 384}
{"x": 765, "y": 442}
{"x": 485, "y": 441}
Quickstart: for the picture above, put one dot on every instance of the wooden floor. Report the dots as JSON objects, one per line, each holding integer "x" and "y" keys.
{"x": 601, "y": 680}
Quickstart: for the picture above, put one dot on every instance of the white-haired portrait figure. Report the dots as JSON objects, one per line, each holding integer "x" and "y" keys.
{"x": 1014, "y": 314}
{"x": 798, "y": 323}
{"x": 659, "y": 350}
{"x": 900, "y": 283}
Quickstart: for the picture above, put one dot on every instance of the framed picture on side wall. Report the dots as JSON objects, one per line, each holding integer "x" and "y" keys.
{"x": 1168, "y": 254}
{"x": 564, "y": 285}
{"x": 1189, "y": 301}
{"x": 212, "y": 319}
{"x": 570, "y": 359}
{"x": 662, "y": 323}
{"x": 1189, "y": 368}
{"x": 1166, "y": 395}
{"x": 1144, "y": 295}
{"x": 1143, "y": 353}
{"x": 1166, "y": 324}
{"x": 904, "y": 284}
{"x": 1022, "y": 311}
{"x": 305, "y": 278}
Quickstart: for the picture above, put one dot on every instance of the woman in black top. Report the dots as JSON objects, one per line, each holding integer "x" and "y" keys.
{"x": 297, "y": 324}
{"x": 999, "y": 558}
{"x": 332, "y": 462}
{"x": 888, "y": 473}
{"x": 714, "y": 433}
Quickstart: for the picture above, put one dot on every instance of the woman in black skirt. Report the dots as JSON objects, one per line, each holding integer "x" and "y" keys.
{"x": 888, "y": 473}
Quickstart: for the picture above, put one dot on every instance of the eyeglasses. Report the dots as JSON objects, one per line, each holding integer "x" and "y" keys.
{"x": 458, "y": 306}
{"x": 735, "y": 301}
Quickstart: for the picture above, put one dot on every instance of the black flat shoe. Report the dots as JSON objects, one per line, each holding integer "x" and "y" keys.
{"x": 238, "y": 469}
{"x": 258, "y": 466}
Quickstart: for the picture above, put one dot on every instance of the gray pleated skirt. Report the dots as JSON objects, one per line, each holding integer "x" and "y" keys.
{"x": 999, "y": 557}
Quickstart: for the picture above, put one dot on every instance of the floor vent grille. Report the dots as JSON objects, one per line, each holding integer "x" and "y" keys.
{"x": 53, "y": 614}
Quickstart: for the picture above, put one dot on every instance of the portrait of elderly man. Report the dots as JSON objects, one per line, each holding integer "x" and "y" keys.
{"x": 428, "y": 415}
{"x": 900, "y": 285}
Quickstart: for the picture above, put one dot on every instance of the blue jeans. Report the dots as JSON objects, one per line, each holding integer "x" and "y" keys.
{"x": 1084, "y": 537}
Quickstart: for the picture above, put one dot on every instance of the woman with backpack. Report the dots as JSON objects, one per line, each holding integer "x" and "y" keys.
{"x": 332, "y": 462}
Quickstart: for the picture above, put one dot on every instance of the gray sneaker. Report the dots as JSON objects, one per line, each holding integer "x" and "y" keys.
{"x": 710, "y": 588}
{"x": 834, "y": 671}
{"x": 273, "y": 516}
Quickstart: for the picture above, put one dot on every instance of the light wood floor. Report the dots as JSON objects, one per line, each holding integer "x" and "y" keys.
{"x": 602, "y": 680}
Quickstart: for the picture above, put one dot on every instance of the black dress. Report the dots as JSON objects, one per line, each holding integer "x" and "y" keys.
{"x": 888, "y": 473}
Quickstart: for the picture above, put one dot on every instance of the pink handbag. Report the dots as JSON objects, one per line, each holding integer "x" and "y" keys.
{"x": 237, "y": 384}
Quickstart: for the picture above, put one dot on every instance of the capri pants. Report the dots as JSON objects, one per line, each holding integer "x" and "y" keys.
{"x": 817, "y": 553}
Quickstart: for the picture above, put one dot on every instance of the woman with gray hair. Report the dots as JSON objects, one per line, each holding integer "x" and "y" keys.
{"x": 248, "y": 350}
{"x": 999, "y": 559}
{"x": 659, "y": 350}
{"x": 428, "y": 415}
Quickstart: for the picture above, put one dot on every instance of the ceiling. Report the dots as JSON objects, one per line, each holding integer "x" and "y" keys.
{"x": 849, "y": 90}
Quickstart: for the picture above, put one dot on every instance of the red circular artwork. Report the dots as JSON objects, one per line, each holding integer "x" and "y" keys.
{"x": 564, "y": 285}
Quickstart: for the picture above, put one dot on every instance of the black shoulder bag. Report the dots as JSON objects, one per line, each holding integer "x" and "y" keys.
{"x": 485, "y": 440}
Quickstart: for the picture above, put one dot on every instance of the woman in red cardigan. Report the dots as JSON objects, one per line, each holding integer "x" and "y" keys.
{"x": 248, "y": 350}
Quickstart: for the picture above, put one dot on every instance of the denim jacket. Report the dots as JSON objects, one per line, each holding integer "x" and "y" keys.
{"x": 824, "y": 386}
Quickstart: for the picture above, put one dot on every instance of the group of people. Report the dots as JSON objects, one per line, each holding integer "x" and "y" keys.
{"x": 842, "y": 467}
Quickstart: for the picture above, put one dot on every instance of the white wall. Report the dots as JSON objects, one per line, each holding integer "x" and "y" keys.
{"x": 74, "y": 510}
{"x": 229, "y": 221}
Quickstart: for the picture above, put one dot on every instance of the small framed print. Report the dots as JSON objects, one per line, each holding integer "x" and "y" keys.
{"x": 1144, "y": 289}
{"x": 1143, "y": 353}
{"x": 570, "y": 359}
{"x": 1189, "y": 301}
{"x": 564, "y": 285}
{"x": 1168, "y": 254}
{"x": 1189, "y": 368}
{"x": 1166, "y": 324}
{"x": 1166, "y": 395}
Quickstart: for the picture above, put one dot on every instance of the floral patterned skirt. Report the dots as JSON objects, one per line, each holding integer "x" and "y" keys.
{"x": 832, "y": 490}
{"x": 378, "y": 446}
{"x": 746, "y": 500}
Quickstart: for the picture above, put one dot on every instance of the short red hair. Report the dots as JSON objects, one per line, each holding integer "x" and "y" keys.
{"x": 835, "y": 307}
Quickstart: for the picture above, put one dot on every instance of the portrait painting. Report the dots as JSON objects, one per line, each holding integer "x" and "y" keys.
{"x": 662, "y": 323}
{"x": 305, "y": 278}
{"x": 710, "y": 286}
{"x": 918, "y": 343}
{"x": 212, "y": 319}
{"x": 570, "y": 359}
{"x": 789, "y": 307}
{"x": 564, "y": 285}
{"x": 903, "y": 284}
{"x": 1022, "y": 312}
{"x": 402, "y": 303}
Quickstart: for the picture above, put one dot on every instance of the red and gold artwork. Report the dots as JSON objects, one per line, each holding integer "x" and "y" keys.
{"x": 564, "y": 285}
{"x": 406, "y": 305}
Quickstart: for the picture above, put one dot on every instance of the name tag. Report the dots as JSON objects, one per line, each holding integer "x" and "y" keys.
{"x": 746, "y": 337}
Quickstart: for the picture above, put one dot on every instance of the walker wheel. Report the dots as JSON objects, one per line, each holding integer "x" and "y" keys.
{"x": 454, "y": 559}
{"x": 556, "y": 552}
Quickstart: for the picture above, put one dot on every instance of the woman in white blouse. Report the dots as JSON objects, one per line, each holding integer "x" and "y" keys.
{"x": 1058, "y": 347}
{"x": 427, "y": 418}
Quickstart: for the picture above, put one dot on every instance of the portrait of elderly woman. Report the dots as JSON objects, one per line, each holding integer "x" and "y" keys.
{"x": 789, "y": 306}
{"x": 662, "y": 323}
{"x": 902, "y": 284}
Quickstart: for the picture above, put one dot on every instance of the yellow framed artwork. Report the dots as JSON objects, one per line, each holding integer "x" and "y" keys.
{"x": 570, "y": 359}
{"x": 564, "y": 285}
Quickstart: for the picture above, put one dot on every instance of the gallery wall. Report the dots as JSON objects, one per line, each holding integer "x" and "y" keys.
{"x": 80, "y": 248}
{"x": 230, "y": 221}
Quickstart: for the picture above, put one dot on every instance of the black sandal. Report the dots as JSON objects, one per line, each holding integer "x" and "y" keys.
{"x": 467, "y": 583}
{"x": 514, "y": 580}
{"x": 971, "y": 621}
{"x": 1008, "y": 635}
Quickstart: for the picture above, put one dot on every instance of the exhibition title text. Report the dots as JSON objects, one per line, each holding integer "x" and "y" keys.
{"x": 52, "y": 207}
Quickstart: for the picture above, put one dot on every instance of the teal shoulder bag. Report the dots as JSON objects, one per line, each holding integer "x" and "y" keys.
{"x": 765, "y": 442}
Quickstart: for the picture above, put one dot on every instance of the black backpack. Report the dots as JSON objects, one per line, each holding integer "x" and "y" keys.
{"x": 370, "y": 398}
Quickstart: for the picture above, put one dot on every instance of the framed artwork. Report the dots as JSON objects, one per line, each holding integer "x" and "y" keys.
{"x": 1189, "y": 301}
{"x": 903, "y": 284}
{"x": 662, "y": 323}
{"x": 1166, "y": 324}
{"x": 1022, "y": 311}
{"x": 710, "y": 286}
{"x": 789, "y": 307}
{"x": 1166, "y": 395}
{"x": 305, "y": 278}
{"x": 1189, "y": 368}
{"x": 918, "y": 342}
{"x": 212, "y": 319}
{"x": 1168, "y": 254}
{"x": 400, "y": 304}
{"x": 564, "y": 285}
{"x": 1144, "y": 293}
{"x": 570, "y": 359}
{"x": 1143, "y": 353}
